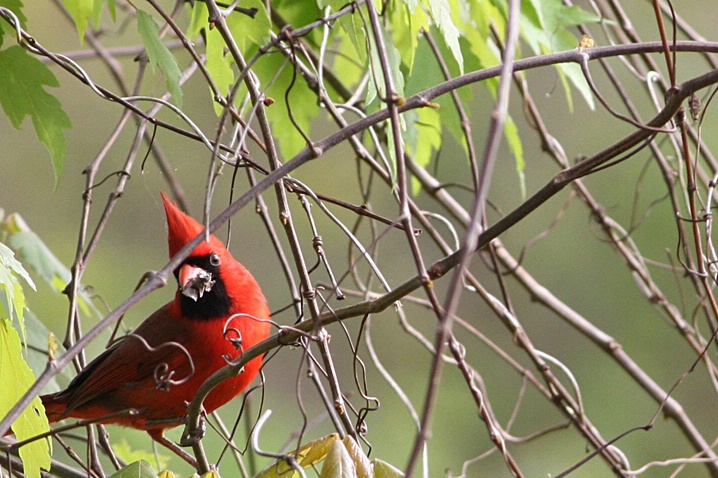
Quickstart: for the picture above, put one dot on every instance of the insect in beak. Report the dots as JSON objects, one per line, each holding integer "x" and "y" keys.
{"x": 194, "y": 281}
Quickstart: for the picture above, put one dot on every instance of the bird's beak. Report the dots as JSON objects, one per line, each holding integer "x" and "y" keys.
{"x": 194, "y": 281}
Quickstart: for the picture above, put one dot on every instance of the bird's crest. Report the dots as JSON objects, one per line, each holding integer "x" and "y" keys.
{"x": 181, "y": 229}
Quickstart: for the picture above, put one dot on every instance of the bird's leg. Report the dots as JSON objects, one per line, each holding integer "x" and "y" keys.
{"x": 159, "y": 437}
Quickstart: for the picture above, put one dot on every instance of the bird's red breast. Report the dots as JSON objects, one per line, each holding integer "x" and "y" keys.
{"x": 217, "y": 312}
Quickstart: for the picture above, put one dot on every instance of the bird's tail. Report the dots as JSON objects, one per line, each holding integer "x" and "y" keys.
{"x": 54, "y": 409}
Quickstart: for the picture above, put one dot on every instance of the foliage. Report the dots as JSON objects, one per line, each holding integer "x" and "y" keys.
{"x": 22, "y": 94}
{"x": 159, "y": 54}
{"x": 412, "y": 135}
{"x": 14, "y": 371}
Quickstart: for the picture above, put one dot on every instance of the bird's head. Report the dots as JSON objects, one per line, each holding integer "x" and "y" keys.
{"x": 202, "y": 286}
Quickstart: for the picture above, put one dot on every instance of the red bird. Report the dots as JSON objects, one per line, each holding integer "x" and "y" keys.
{"x": 218, "y": 311}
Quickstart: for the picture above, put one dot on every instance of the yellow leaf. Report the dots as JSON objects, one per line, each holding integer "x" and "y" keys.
{"x": 383, "y": 469}
{"x": 17, "y": 377}
{"x": 338, "y": 463}
{"x": 361, "y": 461}
{"x": 306, "y": 456}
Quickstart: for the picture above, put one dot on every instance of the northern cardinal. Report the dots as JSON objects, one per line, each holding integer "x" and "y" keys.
{"x": 217, "y": 312}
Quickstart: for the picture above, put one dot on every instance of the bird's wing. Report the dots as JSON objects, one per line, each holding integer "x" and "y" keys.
{"x": 146, "y": 359}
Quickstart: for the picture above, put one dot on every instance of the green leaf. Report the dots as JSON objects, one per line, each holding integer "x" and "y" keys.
{"x": 553, "y": 14}
{"x": 14, "y": 302}
{"x": 17, "y": 379}
{"x": 338, "y": 463}
{"x": 431, "y": 75}
{"x": 83, "y": 10}
{"x": 334, "y": 4}
{"x": 126, "y": 453}
{"x": 349, "y": 65}
{"x": 80, "y": 10}
{"x": 477, "y": 32}
{"x": 219, "y": 65}
{"x": 36, "y": 255}
{"x": 97, "y": 11}
{"x": 112, "y": 9}
{"x": 478, "y": 38}
{"x": 406, "y": 22}
{"x": 273, "y": 71}
{"x": 392, "y": 150}
{"x": 16, "y": 7}
{"x": 34, "y": 332}
{"x": 511, "y": 133}
{"x": 138, "y": 469}
{"x": 300, "y": 13}
{"x": 394, "y": 64}
{"x": 8, "y": 261}
{"x": 353, "y": 26}
{"x": 544, "y": 27}
{"x": 199, "y": 19}
{"x": 441, "y": 13}
{"x": 36, "y": 351}
{"x": 249, "y": 31}
{"x": 21, "y": 94}
{"x": 573, "y": 73}
{"x": 159, "y": 55}
{"x": 423, "y": 139}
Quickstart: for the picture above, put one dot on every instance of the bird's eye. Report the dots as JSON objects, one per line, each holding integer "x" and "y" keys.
{"x": 214, "y": 259}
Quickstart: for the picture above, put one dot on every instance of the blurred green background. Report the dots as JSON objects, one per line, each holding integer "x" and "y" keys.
{"x": 574, "y": 262}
